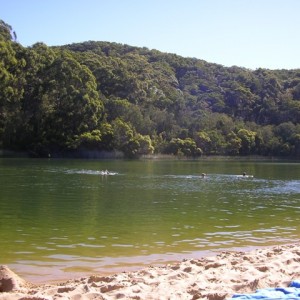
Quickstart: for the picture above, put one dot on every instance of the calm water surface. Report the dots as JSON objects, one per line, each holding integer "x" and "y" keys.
{"x": 62, "y": 218}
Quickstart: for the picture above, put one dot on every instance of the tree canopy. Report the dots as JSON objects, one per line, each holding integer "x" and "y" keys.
{"x": 104, "y": 96}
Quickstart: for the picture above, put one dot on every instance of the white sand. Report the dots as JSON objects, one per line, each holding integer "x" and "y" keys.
{"x": 213, "y": 278}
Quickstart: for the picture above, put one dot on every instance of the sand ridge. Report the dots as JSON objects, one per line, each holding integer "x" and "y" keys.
{"x": 215, "y": 278}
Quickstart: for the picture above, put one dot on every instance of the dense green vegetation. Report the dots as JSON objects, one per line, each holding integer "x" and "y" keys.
{"x": 100, "y": 96}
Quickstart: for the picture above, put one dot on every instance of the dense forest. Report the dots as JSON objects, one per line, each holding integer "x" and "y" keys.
{"x": 94, "y": 98}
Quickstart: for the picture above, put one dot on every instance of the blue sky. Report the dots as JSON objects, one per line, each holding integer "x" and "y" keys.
{"x": 246, "y": 33}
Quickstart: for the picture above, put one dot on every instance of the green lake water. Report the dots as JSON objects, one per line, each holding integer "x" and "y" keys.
{"x": 62, "y": 219}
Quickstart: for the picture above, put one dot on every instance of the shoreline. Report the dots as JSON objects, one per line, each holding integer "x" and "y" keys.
{"x": 39, "y": 275}
{"x": 214, "y": 277}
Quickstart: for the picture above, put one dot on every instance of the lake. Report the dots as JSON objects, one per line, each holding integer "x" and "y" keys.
{"x": 62, "y": 219}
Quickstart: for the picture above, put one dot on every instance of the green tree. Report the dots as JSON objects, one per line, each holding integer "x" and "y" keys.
{"x": 11, "y": 86}
{"x": 66, "y": 105}
{"x": 35, "y": 103}
{"x": 88, "y": 140}
{"x": 145, "y": 144}
{"x": 6, "y": 32}
{"x": 186, "y": 147}
{"x": 203, "y": 141}
{"x": 124, "y": 138}
{"x": 248, "y": 141}
{"x": 296, "y": 142}
{"x": 107, "y": 136}
{"x": 234, "y": 144}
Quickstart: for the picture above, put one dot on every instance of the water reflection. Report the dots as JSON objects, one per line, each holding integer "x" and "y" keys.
{"x": 65, "y": 214}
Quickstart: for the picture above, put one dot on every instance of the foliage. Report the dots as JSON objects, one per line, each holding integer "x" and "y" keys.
{"x": 186, "y": 147}
{"x": 107, "y": 96}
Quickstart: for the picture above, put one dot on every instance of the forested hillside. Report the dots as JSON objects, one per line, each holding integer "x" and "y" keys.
{"x": 96, "y": 97}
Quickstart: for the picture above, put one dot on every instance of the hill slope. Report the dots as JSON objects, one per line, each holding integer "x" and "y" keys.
{"x": 100, "y": 96}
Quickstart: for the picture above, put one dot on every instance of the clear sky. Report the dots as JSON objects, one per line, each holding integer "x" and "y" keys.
{"x": 246, "y": 33}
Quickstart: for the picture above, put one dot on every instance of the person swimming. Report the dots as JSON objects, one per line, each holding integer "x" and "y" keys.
{"x": 245, "y": 175}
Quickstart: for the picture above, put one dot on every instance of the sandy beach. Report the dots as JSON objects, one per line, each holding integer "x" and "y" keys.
{"x": 214, "y": 278}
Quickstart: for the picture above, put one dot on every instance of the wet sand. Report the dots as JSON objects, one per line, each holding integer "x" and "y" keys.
{"x": 215, "y": 278}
